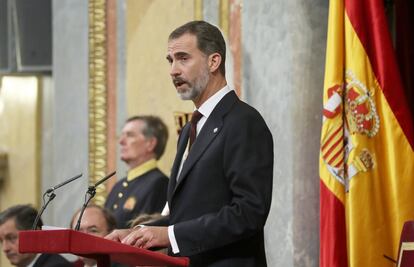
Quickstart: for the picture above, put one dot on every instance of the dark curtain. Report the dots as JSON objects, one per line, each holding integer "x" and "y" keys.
{"x": 404, "y": 44}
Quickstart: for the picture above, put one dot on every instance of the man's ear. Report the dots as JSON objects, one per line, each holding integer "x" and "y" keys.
{"x": 151, "y": 144}
{"x": 214, "y": 61}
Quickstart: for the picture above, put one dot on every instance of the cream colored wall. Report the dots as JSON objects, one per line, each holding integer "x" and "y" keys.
{"x": 19, "y": 122}
{"x": 149, "y": 87}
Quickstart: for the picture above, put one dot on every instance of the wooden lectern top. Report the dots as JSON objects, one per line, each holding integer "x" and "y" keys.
{"x": 406, "y": 251}
{"x": 103, "y": 250}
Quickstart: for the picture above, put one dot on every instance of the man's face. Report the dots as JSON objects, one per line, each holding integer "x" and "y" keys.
{"x": 134, "y": 146}
{"x": 189, "y": 67}
{"x": 93, "y": 222}
{"x": 9, "y": 240}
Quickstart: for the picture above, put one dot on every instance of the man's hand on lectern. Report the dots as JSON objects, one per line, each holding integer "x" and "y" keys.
{"x": 119, "y": 234}
{"x": 147, "y": 237}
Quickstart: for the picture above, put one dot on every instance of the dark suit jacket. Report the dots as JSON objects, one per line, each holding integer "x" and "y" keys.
{"x": 52, "y": 260}
{"x": 147, "y": 193}
{"x": 220, "y": 203}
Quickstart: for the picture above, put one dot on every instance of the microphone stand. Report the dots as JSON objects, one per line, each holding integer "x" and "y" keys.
{"x": 51, "y": 195}
{"x": 89, "y": 195}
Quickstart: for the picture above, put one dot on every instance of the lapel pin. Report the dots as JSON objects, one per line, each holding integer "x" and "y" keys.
{"x": 215, "y": 130}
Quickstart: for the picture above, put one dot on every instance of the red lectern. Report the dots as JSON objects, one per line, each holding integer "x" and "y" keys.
{"x": 406, "y": 251}
{"x": 103, "y": 250}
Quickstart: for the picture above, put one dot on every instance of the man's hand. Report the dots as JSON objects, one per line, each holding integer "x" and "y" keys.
{"x": 147, "y": 237}
{"x": 119, "y": 234}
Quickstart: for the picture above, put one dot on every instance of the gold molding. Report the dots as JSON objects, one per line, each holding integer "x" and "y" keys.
{"x": 97, "y": 95}
{"x": 224, "y": 16}
{"x": 198, "y": 9}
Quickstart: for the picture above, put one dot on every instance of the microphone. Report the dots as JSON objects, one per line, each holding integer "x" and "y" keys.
{"x": 90, "y": 193}
{"x": 104, "y": 179}
{"x": 52, "y": 189}
{"x": 50, "y": 193}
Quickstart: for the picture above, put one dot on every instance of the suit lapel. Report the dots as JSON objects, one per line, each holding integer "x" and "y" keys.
{"x": 204, "y": 138}
{"x": 208, "y": 133}
{"x": 41, "y": 260}
{"x": 182, "y": 145}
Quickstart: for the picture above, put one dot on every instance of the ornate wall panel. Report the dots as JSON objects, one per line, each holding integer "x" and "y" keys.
{"x": 97, "y": 96}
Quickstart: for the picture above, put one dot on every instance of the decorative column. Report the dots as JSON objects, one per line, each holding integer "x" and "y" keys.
{"x": 97, "y": 96}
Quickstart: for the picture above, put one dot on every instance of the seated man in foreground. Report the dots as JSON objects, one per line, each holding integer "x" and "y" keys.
{"x": 22, "y": 217}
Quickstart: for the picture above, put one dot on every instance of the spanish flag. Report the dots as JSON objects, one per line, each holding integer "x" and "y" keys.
{"x": 366, "y": 161}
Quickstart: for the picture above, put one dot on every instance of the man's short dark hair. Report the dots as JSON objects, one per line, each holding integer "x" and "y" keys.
{"x": 23, "y": 215}
{"x": 209, "y": 39}
{"x": 109, "y": 217}
{"x": 154, "y": 127}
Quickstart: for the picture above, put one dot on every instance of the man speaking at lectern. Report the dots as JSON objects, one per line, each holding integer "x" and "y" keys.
{"x": 13, "y": 220}
{"x": 220, "y": 189}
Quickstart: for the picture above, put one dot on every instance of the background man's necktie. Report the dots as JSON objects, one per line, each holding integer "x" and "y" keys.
{"x": 193, "y": 131}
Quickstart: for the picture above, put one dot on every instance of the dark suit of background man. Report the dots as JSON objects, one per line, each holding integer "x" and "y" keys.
{"x": 220, "y": 189}
{"x": 142, "y": 142}
{"x": 22, "y": 217}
